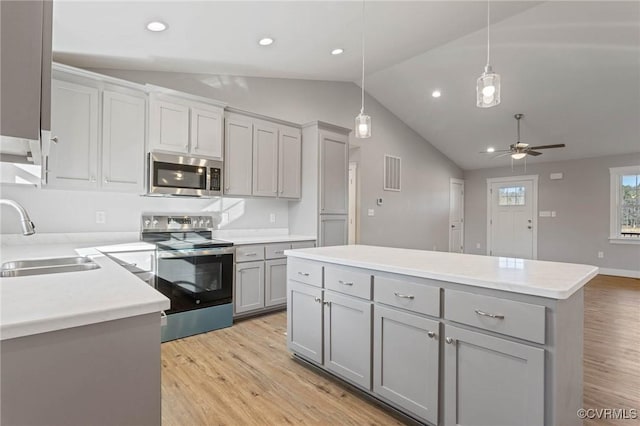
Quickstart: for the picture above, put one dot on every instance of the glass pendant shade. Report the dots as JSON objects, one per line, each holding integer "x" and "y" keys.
{"x": 363, "y": 126}
{"x": 518, "y": 155}
{"x": 488, "y": 89}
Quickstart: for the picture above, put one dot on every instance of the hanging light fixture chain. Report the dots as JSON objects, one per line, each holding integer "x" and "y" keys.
{"x": 362, "y": 42}
{"x": 488, "y": 31}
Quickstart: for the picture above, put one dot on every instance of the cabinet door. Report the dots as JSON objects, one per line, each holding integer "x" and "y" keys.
{"x": 332, "y": 230}
{"x": 275, "y": 282}
{"x": 405, "y": 361}
{"x": 289, "y": 163}
{"x": 249, "y": 286}
{"x": 123, "y": 133}
{"x": 265, "y": 160}
{"x": 169, "y": 127}
{"x": 206, "y": 132}
{"x": 334, "y": 173}
{"x": 304, "y": 320}
{"x": 347, "y": 337}
{"x": 490, "y": 381}
{"x": 238, "y": 157}
{"x": 73, "y": 161}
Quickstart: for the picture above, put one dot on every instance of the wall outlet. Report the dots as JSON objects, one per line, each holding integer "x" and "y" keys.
{"x": 272, "y": 218}
{"x": 477, "y": 245}
{"x": 600, "y": 255}
{"x": 101, "y": 217}
{"x": 371, "y": 212}
{"x": 225, "y": 217}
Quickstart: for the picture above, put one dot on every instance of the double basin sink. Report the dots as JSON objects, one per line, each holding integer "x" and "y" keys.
{"x": 21, "y": 268}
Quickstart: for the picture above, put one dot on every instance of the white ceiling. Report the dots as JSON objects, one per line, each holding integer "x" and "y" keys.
{"x": 573, "y": 68}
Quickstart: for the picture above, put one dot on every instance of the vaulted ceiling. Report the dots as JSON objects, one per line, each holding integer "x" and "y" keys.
{"x": 573, "y": 68}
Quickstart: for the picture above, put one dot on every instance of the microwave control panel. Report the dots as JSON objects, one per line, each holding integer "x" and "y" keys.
{"x": 216, "y": 179}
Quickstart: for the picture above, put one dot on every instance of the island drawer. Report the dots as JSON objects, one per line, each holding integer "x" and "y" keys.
{"x": 409, "y": 295}
{"x": 276, "y": 251}
{"x": 517, "y": 319}
{"x": 249, "y": 253}
{"x": 352, "y": 282}
{"x": 304, "y": 271}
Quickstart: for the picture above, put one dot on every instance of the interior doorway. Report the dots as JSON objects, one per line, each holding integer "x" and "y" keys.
{"x": 353, "y": 202}
{"x": 456, "y": 215}
{"x": 512, "y": 225}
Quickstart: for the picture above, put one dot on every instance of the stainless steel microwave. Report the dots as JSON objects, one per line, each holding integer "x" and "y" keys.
{"x": 172, "y": 174}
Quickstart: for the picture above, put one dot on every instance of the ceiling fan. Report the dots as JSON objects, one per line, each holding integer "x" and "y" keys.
{"x": 520, "y": 150}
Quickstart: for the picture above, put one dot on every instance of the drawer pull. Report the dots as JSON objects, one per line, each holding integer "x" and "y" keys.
{"x": 279, "y": 252}
{"x": 304, "y": 274}
{"x": 317, "y": 299}
{"x": 130, "y": 264}
{"x": 345, "y": 282}
{"x": 251, "y": 254}
{"x": 404, "y": 296}
{"x": 484, "y": 314}
{"x": 450, "y": 340}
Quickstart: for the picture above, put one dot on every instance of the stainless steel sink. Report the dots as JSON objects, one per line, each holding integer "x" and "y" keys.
{"x": 21, "y": 268}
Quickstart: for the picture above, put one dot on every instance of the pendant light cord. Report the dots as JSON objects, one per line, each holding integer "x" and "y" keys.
{"x": 488, "y": 30}
{"x": 362, "y": 104}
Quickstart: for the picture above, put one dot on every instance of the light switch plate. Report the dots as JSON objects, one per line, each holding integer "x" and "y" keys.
{"x": 272, "y": 218}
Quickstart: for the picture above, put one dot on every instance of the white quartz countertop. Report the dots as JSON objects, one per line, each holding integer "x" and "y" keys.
{"x": 533, "y": 277}
{"x": 42, "y": 303}
{"x": 243, "y": 240}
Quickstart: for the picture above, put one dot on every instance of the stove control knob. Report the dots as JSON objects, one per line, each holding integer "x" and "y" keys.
{"x": 154, "y": 223}
{"x": 147, "y": 222}
{"x": 208, "y": 222}
{"x": 201, "y": 223}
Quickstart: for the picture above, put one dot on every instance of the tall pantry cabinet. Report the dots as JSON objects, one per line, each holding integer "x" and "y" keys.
{"x": 323, "y": 208}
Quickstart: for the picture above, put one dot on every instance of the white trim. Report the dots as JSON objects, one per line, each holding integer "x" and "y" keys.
{"x": 354, "y": 166}
{"x": 534, "y": 185}
{"x": 619, "y": 272}
{"x": 461, "y": 182}
{"x": 615, "y": 174}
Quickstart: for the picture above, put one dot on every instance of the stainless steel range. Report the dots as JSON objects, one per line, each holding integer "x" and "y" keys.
{"x": 193, "y": 270}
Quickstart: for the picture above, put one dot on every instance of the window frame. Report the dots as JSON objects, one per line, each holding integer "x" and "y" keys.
{"x": 616, "y": 173}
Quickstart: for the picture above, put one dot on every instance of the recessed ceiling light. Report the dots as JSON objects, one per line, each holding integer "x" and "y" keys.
{"x": 491, "y": 149}
{"x": 436, "y": 94}
{"x": 156, "y": 26}
{"x": 337, "y": 51}
{"x": 265, "y": 41}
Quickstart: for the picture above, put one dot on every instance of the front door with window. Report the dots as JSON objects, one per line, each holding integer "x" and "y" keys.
{"x": 512, "y": 218}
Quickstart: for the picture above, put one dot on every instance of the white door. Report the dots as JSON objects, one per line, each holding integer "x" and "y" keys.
{"x": 238, "y": 155}
{"x": 249, "y": 292}
{"x": 334, "y": 167}
{"x": 265, "y": 160}
{"x": 512, "y": 219}
{"x": 206, "y": 132}
{"x": 169, "y": 127}
{"x": 353, "y": 217}
{"x": 289, "y": 163}
{"x": 456, "y": 216}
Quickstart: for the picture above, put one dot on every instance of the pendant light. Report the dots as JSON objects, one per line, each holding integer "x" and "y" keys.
{"x": 488, "y": 86}
{"x": 363, "y": 121}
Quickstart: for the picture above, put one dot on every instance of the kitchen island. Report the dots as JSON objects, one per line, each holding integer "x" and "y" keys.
{"x": 78, "y": 347}
{"x": 445, "y": 338}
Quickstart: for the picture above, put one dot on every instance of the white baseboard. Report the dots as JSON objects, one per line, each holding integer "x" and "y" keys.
{"x": 620, "y": 272}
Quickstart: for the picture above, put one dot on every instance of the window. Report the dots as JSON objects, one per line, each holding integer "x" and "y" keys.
{"x": 625, "y": 204}
{"x": 511, "y": 196}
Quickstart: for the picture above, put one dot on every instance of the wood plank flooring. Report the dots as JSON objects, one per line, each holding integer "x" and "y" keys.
{"x": 244, "y": 375}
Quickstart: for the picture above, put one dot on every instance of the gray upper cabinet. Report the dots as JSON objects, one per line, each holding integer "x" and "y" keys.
{"x": 406, "y": 356}
{"x": 169, "y": 126}
{"x": 491, "y": 381}
{"x": 289, "y": 163}
{"x": 206, "y": 132}
{"x": 123, "y": 136}
{"x": 73, "y": 160}
{"x": 26, "y": 68}
{"x": 265, "y": 160}
{"x": 334, "y": 173}
{"x": 238, "y": 156}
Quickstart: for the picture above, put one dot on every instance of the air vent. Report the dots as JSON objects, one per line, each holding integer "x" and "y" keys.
{"x": 391, "y": 173}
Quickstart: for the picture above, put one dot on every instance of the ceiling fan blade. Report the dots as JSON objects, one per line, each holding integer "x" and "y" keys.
{"x": 501, "y": 155}
{"x": 496, "y": 151}
{"x": 534, "y": 153}
{"x": 559, "y": 145}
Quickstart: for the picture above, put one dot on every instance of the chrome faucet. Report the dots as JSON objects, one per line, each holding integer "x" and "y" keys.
{"x": 28, "y": 228}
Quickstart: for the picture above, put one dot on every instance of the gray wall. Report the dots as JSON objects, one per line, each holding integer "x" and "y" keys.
{"x": 581, "y": 201}
{"x": 416, "y": 217}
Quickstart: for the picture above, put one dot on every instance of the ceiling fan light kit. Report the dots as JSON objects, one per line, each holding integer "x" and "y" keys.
{"x": 363, "y": 121}
{"x": 488, "y": 84}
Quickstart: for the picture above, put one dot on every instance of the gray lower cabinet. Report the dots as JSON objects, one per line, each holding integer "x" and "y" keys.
{"x": 405, "y": 358}
{"x": 491, "y": 381}
{"x": 304, "y": 320}
{"x": 347, "y": 337}
{"x": 275, "y": 282}
{"x": 249, "y": 286}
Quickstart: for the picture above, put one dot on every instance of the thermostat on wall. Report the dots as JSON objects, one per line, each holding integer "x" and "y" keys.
{"x": 555, "y": 176}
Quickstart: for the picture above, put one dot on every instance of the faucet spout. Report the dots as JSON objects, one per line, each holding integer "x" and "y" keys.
{"x": 28, "y": 228}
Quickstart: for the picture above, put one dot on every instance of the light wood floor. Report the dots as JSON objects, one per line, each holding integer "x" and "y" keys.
{"x": 244, "y": 375}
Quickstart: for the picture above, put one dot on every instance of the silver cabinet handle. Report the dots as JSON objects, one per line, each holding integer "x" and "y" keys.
{"x": 251, "y": 254}
{"x": 317, "y": 299}
{"x": 304, "y": 274}
{"x": 404, "y": 296}
{"x": 345, "y": 282}
{"x": 484, "y": 314}
{"x": 54, "y": 139}
{"x": 326, "y": 303}
{"x": 431, "y": 334}
{"x": 450, "y": 340}
{"x": 106, "y": 180}
{"x": 279, "y": 252}
{"x": 130, "y": 264}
